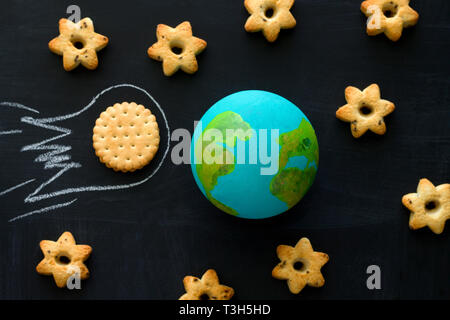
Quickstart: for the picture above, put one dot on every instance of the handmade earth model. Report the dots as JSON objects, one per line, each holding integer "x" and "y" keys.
{"x": 254, "y": 154}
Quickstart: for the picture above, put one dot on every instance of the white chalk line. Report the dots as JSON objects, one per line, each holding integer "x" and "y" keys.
{"x": 17, "y": 105}
{"x": 64, "y": 169}
{"x": 53, "y": 161}
{"x": 94, "y": 100}
{"x": 10, "y": 132}
{"x": 43, "y": 210}
{"x": 33, "y": 198}
{"x": 16, "y": 187}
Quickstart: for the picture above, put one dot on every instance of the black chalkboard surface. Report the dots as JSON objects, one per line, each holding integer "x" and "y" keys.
{"x": 147, "y": 238}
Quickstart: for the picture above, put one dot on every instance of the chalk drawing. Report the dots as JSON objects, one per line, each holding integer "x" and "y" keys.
{"x": 10, "y": 132}
{"x": 16, "y": 187}
{"x": 55, "y": 156}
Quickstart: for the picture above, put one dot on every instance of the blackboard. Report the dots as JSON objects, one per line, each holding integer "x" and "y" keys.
{"x": 146, "y": 239}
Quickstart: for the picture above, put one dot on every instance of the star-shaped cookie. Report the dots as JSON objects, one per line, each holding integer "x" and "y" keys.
{"x": 389, "y": 17}
{"x": 269, "y": 16}
{"x": 176, "y": 48}
{"x": 206, "y": 288}
{"x": 430, "y": 206}
{"x": 308, "y": 273}
{"x": 365, "y": 110}
{"x": 78, "y": 43}
{"x": 63, "y": 258}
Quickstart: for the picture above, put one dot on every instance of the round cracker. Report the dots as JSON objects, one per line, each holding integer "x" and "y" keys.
{"x": 126, "y": 137}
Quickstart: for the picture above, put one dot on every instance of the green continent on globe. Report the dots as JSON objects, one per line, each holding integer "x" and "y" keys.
{"x": 290, "y": 184}
{"x": 208, "y": 173}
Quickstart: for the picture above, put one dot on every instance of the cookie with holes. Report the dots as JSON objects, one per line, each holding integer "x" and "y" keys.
{"x": 365, "y": 110}
{"x": 388, "y": 16}
{"x": 176, "y": 48}
{"x": 430, "y": 206}
{"x": 206, "y": 288}
{"x": 126, "y": 137}
{"x": 300, "y": 265}
{"x": 63, "y": 259}
{"x": 78, "y": 43}
{"x": 269, "y": 16}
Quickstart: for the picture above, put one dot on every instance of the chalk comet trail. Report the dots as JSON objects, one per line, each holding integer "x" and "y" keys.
{"x": 55, "y": 156}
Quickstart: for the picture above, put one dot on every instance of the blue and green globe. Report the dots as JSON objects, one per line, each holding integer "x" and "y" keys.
{"x": 254, "y": 154}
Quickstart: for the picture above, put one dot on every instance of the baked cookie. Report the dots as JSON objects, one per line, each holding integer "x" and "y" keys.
{"x": 78, "y": 43}
{"x": 176, "y": 48}
{"x": 126, "y": 136}
{"x": 206, "y": 288}
{"x": 388, "y": 16}
{"x": 430, "y": 206}
{"x": 300, "y": 266}
{"x": 365, "y": 110}
{"x": 269, "y": 16}
{"x": 63, "y": 258}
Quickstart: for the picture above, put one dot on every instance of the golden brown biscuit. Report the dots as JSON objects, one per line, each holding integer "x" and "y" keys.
{"x": 63, "y": 258}
{"x": 269, "y": 16}
{"x": 365, "y": 110}
{"x": 176, "y": 48}
{"x": 388, "y": 16}
{"x": 126, "y": 137}
{"x": 78, "y": 43}
{"x": 308, "y": 273}
{"x": 206, "y": 288}
{"x": 430, "y": 206}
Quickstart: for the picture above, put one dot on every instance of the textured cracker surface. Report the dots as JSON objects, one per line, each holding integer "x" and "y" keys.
{"x": 126, "y": 137}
